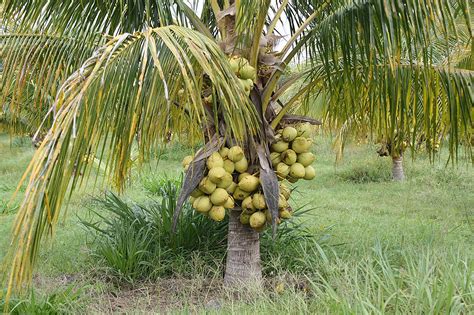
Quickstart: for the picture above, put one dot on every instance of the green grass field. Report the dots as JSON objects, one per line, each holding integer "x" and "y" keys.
{"x": 388, "y": 248}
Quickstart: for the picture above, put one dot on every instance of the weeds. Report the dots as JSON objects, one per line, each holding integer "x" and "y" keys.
{"x": 371, "y": 172}
{"x": 61, "y": 301}
{"x": 136, "y": 242}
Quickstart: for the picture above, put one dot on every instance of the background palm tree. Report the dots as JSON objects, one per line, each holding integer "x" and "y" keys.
{"x": 410, "y": 126}
{"x": 154, "y": 62}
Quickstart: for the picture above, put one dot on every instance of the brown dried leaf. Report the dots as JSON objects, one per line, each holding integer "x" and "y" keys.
{"x": 270, "y": 186}
{"x": 195, "y": 174}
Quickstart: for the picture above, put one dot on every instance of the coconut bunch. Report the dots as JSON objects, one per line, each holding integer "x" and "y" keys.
{"x": 254, "y": 208}
{"x": 230, "y": 184}
{"x": 290, "y": 153}
{"x": 244, "y": 71}
{"x": 217, "y": 190}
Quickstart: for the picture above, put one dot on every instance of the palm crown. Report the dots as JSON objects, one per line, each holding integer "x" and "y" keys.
{"x": 103, "y": 76}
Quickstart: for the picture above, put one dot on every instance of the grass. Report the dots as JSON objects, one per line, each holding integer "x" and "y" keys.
{"x": 388, "y": 247}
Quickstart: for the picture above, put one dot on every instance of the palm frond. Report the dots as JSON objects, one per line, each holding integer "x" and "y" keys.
{"x": 130, "y": 92}
{"x": 34, "y": 66}
{"x": 406, "y": 102}
{"x": 95, "y": 16}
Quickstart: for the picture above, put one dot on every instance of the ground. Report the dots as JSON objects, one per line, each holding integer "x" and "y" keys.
{"x": 383, "y": 241}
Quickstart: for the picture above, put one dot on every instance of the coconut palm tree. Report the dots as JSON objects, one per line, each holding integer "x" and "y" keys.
{"x": 412, "y": 129}
{"x": 128, "y": 72}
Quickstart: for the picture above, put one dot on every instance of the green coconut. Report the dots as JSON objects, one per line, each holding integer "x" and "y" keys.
{"x": 289, "y": 157}
{"x": 306, "y": 158}
{"x": 241, "y": 176}
{"x": 216, "y": 174}
{"x": 187, "y": 160}
{"x": 242, "y": 165}
{"x": 285, "y": 191}
{"x": 231, "y": 188}
{"x": 234, "y": 64}
{"x": 289, "y": 133}
{"x": 215, "y": 160}
{"x": 191, "y": 199}
{"x": 249, "y": 183}
{"x": 223, "y": 152}
{"x": 202, "y": 204}
{"x": 229, "y": 166}
{"x": 226, "y": 181}
{"x": 297, "y": 171}
{"x": 207, "y": 186}
{"x": 282, "y": 170}
{"x": 248, "y": 85}
{"x": 235, "y": 154}
{"x": 257, "y": 220}
{"x": 247, "y": 72}
{"x": 310, "y": 173}
{"x": 258, "y": 201}
{"x": 247, "y": 203}
{"x": 229, "y": 204}
{"x": 219, "y": 197}
{"x": 196, "y": 193}
{"x": 268, "y": 215}
{"x": 279, "y": 146}
{"x": 275, "y": 157}
{"x": 301, "y": 144}
{"x": 304, "y": 129}
{"x": 248, "y": 211}
{"x": 244, "y": 218}
{"x": 282, "y": 203}
{"x": 285, "y": 214}
{"x": 217, "y": 213}
{"x": 239, "y": 194}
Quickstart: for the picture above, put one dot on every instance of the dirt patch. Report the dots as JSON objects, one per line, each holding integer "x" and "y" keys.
{"x": 162, "y": 296}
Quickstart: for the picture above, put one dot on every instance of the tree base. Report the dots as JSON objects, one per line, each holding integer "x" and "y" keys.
{"x": 397, "y": 169}
{"x": 243, "y": 254}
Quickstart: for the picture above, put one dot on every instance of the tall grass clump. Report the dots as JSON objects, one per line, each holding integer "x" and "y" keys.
{"x": 136, "y": 241}
{"x": 410, "y": 281}
{"x": 61, "y": 301}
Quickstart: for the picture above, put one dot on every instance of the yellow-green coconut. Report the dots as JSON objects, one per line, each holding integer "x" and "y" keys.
{"x": 258, "y": 201}
{"x": 217, "y": 213}
{"x": 235, "y": 153}
{"x": 202, "y": 204}
{"x": 257, "y": 220}
{"x": 249, "y": 183}
{"x": 215, "y": 160}
{"x": 289, "y": 133}
{"x": 207, "y": 186}
{"x": 242, "y": 165}
{"x": 297, "y": 171}
{"x": 289, "y": 157}
{"x": 310, "y": 173}
{"x": 306, "y": 158}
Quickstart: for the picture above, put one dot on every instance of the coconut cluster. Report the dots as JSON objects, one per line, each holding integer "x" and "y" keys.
{"x": 229, "y": 183}
{"x": 244, "y": 71}
{"x": 254, "y": 208}
{"x": 218, "y": 191}
{"x": 290, "y": 153}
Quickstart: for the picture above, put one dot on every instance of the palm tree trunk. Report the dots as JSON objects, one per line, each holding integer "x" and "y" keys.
{"x": 397, "y": 168}
{"x": 243, "y": 253}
